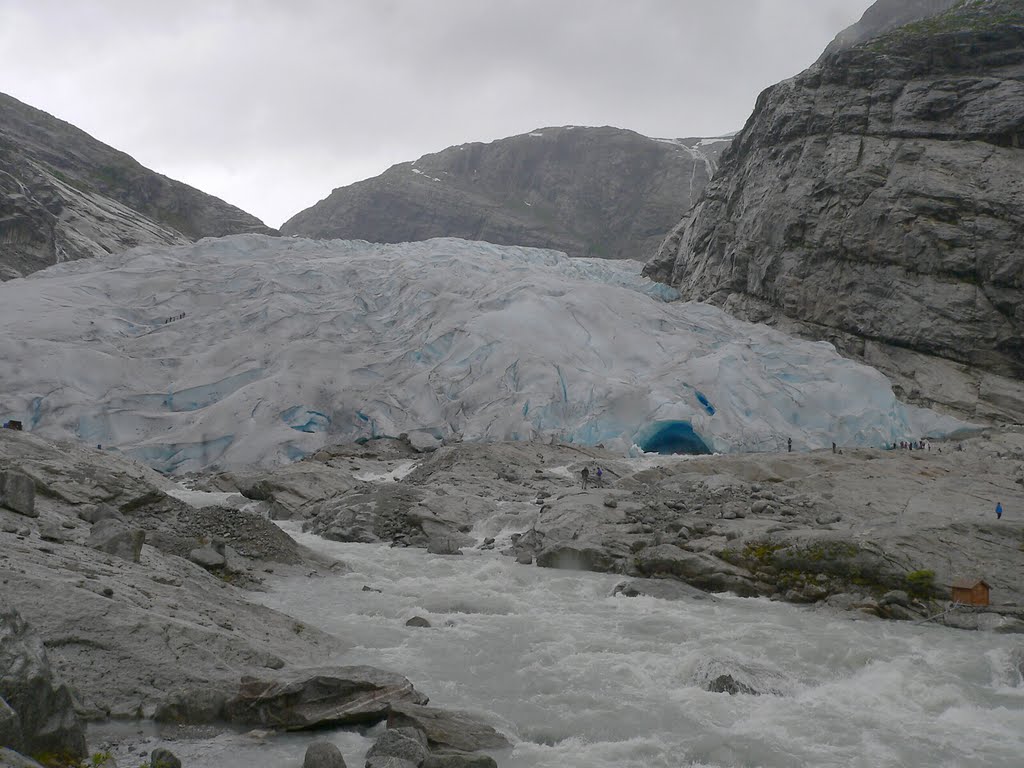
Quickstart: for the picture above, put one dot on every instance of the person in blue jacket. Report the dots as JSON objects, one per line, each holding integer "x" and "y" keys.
{"x": 999, "y": 511}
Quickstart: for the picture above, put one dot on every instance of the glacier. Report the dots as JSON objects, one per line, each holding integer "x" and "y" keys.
{"x": 254, "y": 350}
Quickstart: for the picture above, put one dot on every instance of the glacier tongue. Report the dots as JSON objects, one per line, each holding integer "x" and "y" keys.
{"x": 257, "y": 350}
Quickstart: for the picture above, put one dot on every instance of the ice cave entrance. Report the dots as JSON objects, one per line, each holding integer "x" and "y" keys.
{"x": 671, "y": 437}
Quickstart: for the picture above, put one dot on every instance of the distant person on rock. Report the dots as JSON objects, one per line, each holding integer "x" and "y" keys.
{"x": 585, "y": 474}
{"x": 789, "y": 445}
{"x": 999, "y": 511}
{"x": 600, "y": 478}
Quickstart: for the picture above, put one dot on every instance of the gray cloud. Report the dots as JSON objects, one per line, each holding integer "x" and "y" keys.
{"x": 272, "y": 104}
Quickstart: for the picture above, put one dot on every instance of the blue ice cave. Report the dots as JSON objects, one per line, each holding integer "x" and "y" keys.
{"x": 671, "y": 437}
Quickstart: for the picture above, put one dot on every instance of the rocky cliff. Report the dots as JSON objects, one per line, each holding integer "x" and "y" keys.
{"x": 64, "y": 195}
{"x": 877, "y": 201}
{"x": 885, "y": 16}
{"x": 600, "y": 192}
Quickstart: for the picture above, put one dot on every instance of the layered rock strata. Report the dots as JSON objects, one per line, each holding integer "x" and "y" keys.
{"x": 876, "y": 201}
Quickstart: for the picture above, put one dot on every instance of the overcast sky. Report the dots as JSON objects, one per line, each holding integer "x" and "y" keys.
{"x": 270, "y": 104}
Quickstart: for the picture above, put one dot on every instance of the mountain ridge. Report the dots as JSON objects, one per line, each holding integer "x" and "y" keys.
{"x": 65, "y": 195}
{"x": 598, "y": 192}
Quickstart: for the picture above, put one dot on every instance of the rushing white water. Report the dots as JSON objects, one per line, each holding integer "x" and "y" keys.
{"x": 577, "y": 678}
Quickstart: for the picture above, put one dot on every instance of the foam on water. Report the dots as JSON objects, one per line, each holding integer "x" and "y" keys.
{"x": 577, "y": 678}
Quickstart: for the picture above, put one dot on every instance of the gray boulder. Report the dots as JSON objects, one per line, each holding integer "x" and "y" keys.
{"x": 10, "y": 727}
{"x": 447, "y": 730}
{"x": 316, "y": 698}
{"x": 51, "y": 531}
{"x": 94, "y": 513}
{"x": 207, "y": 557}
{"x": 115, "y": 538}
{"x": 398, "y": 743}
{"x": 164, "y": 758}
{"x": 18, "y": 493}
{"x": 45, "y": 709}
{"x": 445, "y": 545}
{"x": 323, "y": 754}
{"x": 695, "y": 568}
{"x": 417, "y": 621}
{"x": 573, "y": 557}
{"x": 734, "y": 677}
{"x": 194, "y": 706}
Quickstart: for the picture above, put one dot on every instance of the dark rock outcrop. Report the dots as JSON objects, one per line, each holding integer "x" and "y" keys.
{"x": 317, "y": 698}
{"x": 885, "y": 16}
{"x": 602, "y": 192}
{"x": 446, "y": 730}
{"x": 40, "y": 714}
{"x": 164, "y": 758}
{"x": 323, "y": 754}
{"x": 875, "y": 201}
{"x": 64, "y": 195}
{"x": 116, "y": 538}
{"x": 18, "y": 493}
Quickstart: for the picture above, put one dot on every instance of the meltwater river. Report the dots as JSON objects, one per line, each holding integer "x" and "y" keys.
{"x": 579, "y": 679}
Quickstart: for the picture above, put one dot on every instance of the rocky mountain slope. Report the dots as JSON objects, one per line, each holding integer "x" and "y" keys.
{"x": 876, "y": 201}
{"x": 600, "y": 192}
{"x": 885, "y": 16}
{"x": 64, "y": 195}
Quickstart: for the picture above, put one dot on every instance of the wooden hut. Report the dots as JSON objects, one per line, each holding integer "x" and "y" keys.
{"x": 971, "y": 591}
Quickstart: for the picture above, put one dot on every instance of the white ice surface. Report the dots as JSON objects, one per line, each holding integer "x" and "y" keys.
{"x": 290, "y": 344}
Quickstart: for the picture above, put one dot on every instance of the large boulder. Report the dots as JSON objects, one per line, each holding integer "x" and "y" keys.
{"x": 696, "y": 568}
{"x": 445, "y": 729}
{"x": 320, "y": 697}
{"x": 573, "y": 557}
{"x": 116, "y": 538}
{"x": 734, "y": 677}
{"x": 164, "y": 758}
{"x": 401, "y": 743}
{"x": 10, "y": 727}
{"x": 18, "y": 493}
{"x": 48, "y": 722}
{"x": 323, "y": 754}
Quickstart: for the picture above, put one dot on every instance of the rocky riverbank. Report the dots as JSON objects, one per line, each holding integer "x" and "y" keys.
{"x": 876, "y": 532}
{"x": 121, "y": 602}
{"x": 140, "y": 604}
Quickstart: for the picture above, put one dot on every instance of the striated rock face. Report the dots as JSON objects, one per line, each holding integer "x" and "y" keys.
{"x": 877, "y": 201}
{"x": 64, "y": 195}
{"x": 40, "y": 715}
{"x": 602, "y": 192}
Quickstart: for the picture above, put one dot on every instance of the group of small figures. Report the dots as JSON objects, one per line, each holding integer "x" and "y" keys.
{"x": 913, "y": 445}
{"x": 598, "y": 474}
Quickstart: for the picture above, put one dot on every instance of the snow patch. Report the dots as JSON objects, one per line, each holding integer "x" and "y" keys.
{"x": 401, "y": 471}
